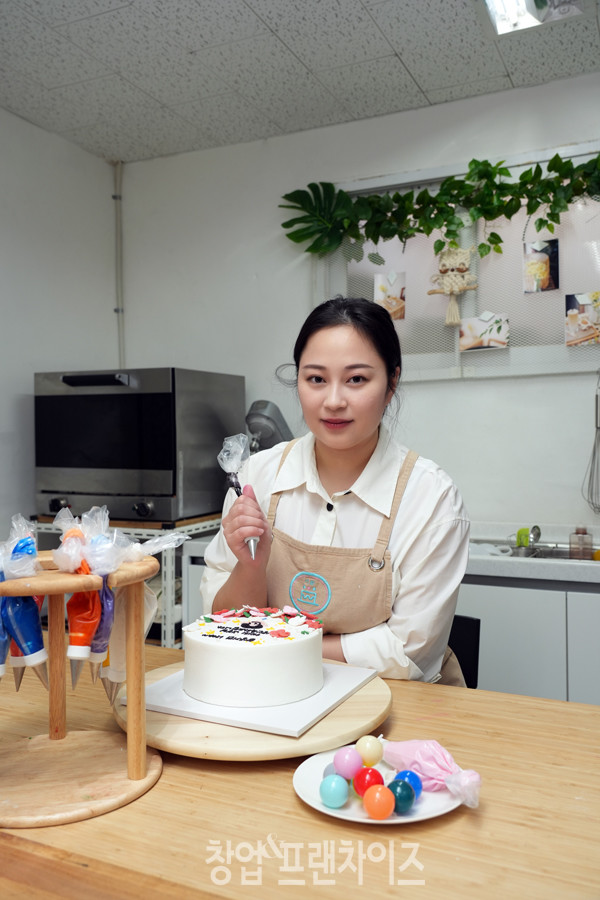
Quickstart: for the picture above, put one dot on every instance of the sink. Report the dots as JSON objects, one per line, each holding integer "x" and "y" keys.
{"x": 541, "y": 551}
{"x": 507, "y": 550}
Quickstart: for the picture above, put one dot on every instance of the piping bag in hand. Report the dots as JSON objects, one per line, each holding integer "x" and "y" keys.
{"x": 236, "y": 450}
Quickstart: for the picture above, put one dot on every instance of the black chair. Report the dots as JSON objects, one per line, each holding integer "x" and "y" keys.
{"x": 464, "y": 640}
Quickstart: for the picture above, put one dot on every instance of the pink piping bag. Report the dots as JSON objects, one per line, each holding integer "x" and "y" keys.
{"x": 435, "y": 767}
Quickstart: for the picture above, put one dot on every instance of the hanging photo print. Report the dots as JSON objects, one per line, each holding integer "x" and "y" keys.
{"x": 540, "y": 266}
{"x": 582, "y": 319}
{"x": 389, "y": 292}
{"x": 489, "y": 331}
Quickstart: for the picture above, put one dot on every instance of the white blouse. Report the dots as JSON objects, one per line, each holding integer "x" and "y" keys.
{"x": 428, "y": 546}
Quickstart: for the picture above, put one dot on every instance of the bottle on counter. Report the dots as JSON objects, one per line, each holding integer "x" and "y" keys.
{"x": 580, "y": 544}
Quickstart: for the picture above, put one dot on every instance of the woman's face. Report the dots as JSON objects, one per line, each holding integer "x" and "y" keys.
{"x": 343, "y": 387}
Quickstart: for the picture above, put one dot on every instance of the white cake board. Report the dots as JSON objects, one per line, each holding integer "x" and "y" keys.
{"x": 292, "y": 719}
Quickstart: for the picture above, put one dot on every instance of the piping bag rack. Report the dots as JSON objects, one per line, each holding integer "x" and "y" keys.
{"x": 70, "y": 776}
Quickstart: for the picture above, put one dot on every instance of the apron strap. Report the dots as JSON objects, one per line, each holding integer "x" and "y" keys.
{"x": 275, "y": 496}
{"x": 376, "y": 560}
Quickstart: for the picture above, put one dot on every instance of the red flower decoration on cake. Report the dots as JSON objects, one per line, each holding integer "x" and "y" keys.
{"x": 279, "y": 632}
{"x": 314, "y": 623}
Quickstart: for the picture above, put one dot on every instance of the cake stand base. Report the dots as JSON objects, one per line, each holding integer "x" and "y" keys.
{"x": 360, "y": 714}
{"x": 50, "y": 782}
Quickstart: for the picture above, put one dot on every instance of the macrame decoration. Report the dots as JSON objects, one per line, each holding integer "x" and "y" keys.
{"x": 453, "y": 278}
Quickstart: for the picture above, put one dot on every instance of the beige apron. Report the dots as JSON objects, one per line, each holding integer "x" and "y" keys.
{"x": 348, "y": 589}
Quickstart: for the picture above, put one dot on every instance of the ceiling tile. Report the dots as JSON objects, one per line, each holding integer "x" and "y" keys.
{"x": 324, "y": 34}
{"x": 229, "y": 119}
{"x": 42, "y": 54}
{"x": 373, "y": 88}
{"x": 560, "y": 50}
{"x": 440, "y": 43}
{"x": 18, "y": 93}
{"x": 121, "y": 36}
{"x": 164, "y": 133}
{"x": 472, "y": 89}
{"x": 196, "y": 23}
{"x": 59, "y": 12}
{"x": 101, "y": 99}
{"x": 104, "y": 141}
{"x": 299, "y": 106}
{"x": 173, "y": 78}
{"x": 262, "y": 62}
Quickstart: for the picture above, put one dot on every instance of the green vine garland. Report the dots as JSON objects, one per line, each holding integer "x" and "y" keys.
{"x": 328, "y": 217}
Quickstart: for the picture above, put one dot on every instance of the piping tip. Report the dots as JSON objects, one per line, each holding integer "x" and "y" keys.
{"x": 18, "y": 672}
{"x": 252, "y": 545}
{"x": 111, "y": 688}
{"x": 95, "y": 669}
{"x": 76, "y": 667}
{"x": 41, "y": 670}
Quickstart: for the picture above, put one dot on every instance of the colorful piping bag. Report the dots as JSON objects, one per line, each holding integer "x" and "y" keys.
{"x": 4, "y": 638}
{"x": 83, "y": 607}
{"x": 21, "y": 615}
{"x": 104, "y": 556}
{"x": 16, "y": 658}
{"x": 84, "y": 610}
{"x": 113, "y": 675}
{"x": 99, "y": 645}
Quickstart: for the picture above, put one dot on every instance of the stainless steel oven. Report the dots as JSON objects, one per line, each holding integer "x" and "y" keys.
{"x": 144, "y": 442}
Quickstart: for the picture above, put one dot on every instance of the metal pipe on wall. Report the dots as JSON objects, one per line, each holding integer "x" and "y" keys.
{"x": 119, "y": 308}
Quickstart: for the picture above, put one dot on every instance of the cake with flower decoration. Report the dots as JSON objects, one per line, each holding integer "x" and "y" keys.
{"x": 253, "y": 657}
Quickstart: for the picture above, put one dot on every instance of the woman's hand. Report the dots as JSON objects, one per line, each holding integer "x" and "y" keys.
{"x": 244, "y": 520}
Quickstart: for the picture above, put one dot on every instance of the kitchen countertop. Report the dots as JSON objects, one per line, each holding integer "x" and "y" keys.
{"x": 583, "y": 574}
{"x": 558, "y": 574}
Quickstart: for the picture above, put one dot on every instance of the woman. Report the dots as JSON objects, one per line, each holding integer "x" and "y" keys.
{"x": 352, "y": 526}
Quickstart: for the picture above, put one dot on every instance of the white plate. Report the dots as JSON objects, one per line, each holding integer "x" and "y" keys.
{"x": 308, "y": 776}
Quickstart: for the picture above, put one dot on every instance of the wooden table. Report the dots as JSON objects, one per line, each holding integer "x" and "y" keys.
{"x": 535, "y": 834}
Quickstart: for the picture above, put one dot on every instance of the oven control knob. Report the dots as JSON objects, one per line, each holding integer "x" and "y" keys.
{"x": 144, "y": 508}
{"x": 58, "y": 503}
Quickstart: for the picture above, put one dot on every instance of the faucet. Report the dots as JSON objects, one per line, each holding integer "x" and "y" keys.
{"x": 528, "y": 537}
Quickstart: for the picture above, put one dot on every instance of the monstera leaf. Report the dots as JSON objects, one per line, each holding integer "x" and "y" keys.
{"x": 326, "y": 216}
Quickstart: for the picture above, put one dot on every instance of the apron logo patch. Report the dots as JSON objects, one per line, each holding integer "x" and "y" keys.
{"x": 310, "y": 592}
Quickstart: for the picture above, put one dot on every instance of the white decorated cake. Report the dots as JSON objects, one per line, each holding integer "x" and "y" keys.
{"x": 253, "y": 657}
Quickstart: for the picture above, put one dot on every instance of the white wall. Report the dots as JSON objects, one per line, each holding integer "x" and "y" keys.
{"x": 212, "y": 282}
{"x": 56, "y": 285}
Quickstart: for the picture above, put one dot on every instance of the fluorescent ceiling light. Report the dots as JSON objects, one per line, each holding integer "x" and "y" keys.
{"x": 514, "y": 15}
